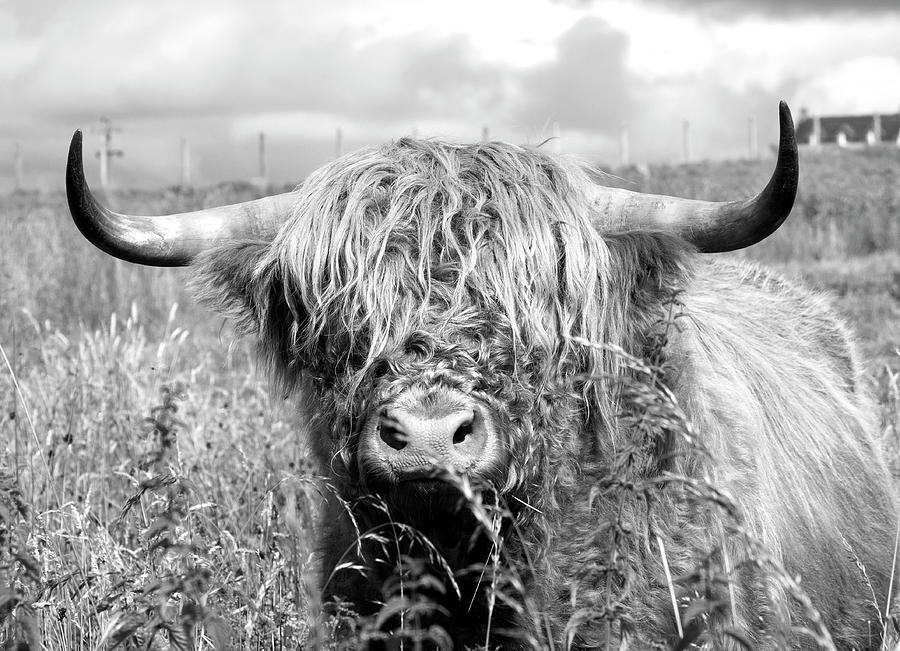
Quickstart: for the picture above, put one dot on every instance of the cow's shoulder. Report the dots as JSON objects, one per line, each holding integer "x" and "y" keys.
{"x": 772, "y": 312}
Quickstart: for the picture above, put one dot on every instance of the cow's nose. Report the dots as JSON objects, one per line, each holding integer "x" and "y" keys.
{"x": 415, "y": 442}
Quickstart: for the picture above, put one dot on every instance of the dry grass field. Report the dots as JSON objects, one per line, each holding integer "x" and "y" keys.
{"x": 155, "y": 494}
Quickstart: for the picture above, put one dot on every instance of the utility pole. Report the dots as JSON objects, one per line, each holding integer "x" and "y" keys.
{"x": 106, "y": 151}
{"x": 18, "y": 168}
{"x": 485, "y": 134}
{"x": 185, "y": 163}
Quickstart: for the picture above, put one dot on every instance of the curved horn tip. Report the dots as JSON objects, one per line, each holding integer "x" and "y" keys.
{"x": 75, "y": 165}
{"x": 788, "y": 154}
{"x": 786, "y": 127}
{"x": 75, "y": 148}
{"x": 762, "y": 215}
{"x": 78, "y": 194}
{"x": 784, "y": 112}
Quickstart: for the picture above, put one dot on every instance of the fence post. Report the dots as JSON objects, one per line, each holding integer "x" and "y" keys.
{"x": 752, "y": 138}
{"x": 338, "y": 142}
{"x": 624, "y": 145}
{"x": 185, "y": 163}
{"x": 686, "y": 141}
{"x": 18, "y": 168}
{"x": 263, "y": 171}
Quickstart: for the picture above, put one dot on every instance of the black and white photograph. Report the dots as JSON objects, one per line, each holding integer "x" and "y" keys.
{"x": 406, "y": 325}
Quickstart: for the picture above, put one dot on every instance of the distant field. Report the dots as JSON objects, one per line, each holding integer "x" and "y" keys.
{"x": 147, "y": 476}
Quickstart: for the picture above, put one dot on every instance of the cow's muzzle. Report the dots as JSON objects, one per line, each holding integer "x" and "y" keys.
{"x": 424, "y": 433}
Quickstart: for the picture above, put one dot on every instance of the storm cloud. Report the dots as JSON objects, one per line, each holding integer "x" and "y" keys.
{"x": 204, "y": 68}
{"x": 586, "y": 85}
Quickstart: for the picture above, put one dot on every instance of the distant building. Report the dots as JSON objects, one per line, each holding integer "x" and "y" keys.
{"x": 849, "y": 130}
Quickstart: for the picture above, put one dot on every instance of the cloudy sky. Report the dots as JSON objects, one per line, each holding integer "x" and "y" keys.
{"x": 217, "y": 72}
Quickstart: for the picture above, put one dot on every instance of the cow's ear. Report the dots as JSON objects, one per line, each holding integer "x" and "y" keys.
{"x": 232, "y": 280}
{"x": 242, "y": 281}
{"x": 648, "y": 270}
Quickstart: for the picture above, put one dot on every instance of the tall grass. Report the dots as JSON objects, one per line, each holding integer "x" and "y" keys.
{"x": 117, "y": 526}
{"x": 50, "y": 270}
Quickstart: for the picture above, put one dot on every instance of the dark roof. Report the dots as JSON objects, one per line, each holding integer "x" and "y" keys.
{"x": 854, "y": 127}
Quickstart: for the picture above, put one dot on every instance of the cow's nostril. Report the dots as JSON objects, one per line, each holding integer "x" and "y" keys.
{"x": 391, "y": 433}
{"x": 463, "y": 431}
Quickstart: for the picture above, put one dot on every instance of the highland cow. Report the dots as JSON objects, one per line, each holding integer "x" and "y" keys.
{"x": 587, "y": 431}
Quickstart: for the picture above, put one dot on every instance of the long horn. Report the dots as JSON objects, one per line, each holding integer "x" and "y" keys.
{"x": 166, "y": 240}
{"x": 710, "y": 225}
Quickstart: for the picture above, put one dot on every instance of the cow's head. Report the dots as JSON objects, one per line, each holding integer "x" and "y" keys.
{"x": 431, "y": 296}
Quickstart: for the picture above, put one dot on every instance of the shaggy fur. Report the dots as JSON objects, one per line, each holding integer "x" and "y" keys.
{"x": 427, "y": 264}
